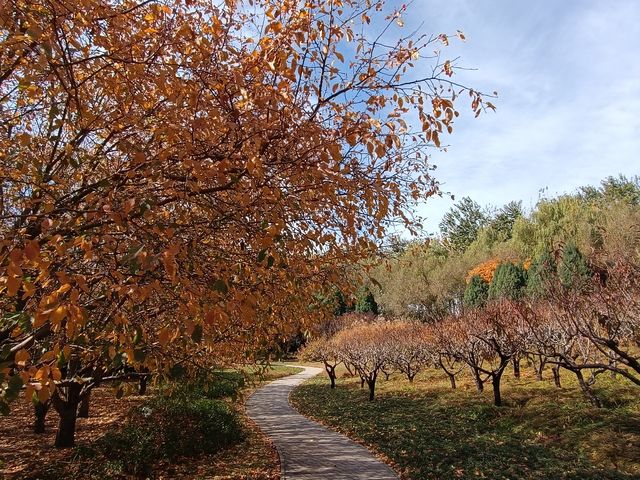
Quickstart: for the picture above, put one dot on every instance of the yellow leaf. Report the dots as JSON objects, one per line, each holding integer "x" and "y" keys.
{"x": 21, "y": 357}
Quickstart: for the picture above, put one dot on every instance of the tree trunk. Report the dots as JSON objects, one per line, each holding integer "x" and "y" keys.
{"x": 83, "y": 410}
{"x": 477, "y": 379}
{"x": 516, "y": 366}
{"x": 372, "y": 389}
{"x": 452, "y": 379}
{"x": 361, "y": 382}
{"x": 68, "y": 411}
{"x": 40, "y": 411}
{"x": 495, "y": 381}
{"x": 556, "y": 376}
{"x": 540, "y": 367}
{"x": 593, "y": 399}
{"x": 331, "y": 372}
{"x": 142, "y": 385}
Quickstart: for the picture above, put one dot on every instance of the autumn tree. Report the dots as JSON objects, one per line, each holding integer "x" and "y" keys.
{"x": 323, "y": 350}
{"x": 368, "y": 349}
{"x": 177, "y": 178}
{"x": 409, "y": 349}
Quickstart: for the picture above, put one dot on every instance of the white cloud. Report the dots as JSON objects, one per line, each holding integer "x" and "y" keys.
{"x": 568, "y": 74}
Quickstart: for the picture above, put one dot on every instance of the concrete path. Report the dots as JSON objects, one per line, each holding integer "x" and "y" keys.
{"x": 309, "y": 450}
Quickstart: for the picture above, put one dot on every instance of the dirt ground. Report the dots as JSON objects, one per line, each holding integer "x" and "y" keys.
{"x": 22, "y": 452}
{"x": 21, "y": 449}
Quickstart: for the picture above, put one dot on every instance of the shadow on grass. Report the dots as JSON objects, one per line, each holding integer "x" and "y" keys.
{"x": 434, "y": 433}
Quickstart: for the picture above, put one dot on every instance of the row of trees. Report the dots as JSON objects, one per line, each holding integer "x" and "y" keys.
{"x": 179, "y": 178}
{"x": 428, "y": 279}
{"x": 570, "y": 315}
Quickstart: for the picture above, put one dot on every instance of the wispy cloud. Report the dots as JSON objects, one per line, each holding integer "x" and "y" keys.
{"x": 568, "y": 75}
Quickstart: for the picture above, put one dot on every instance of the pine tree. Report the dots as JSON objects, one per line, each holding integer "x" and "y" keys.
{"x": 573, "y": 271}
{"x": 508, "y": 281}
{"x": 366, "y": 302}
{"x": 476, "y": 293}
{"x": 542, "y": 271}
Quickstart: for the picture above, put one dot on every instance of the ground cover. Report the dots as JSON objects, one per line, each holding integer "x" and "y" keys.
{"x": 202, "y": 432}
{"x": 426, "y": 430}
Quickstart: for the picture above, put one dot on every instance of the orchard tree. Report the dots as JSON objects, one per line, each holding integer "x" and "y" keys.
{"x": 178, "y": 177}
{"x": 409, "y": 348}
{"x": 323, "y": 350}
{"x": 368, "y": 348}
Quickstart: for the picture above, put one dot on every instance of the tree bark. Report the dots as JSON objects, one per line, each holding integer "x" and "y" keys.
{"x": 372, "y": 389}
{"x": 593, "y": 399}
{"x": 516, "y": 366}
{"x": 540, "y": 367}
{"x": 495, "y": 381}
{"x": 556, "y": 376}
{"x": 83, "y": 409}
{"x": 452, "y": 379}
{"x": 40, "y": 411}
{"x": 67, "y": 408}
{"x": 331, "y": 372}
{"x": 142, "y": 385}
{"x": 477, "y": 379}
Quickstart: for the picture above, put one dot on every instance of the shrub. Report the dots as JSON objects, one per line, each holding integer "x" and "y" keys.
{"x": 183, "y": 425}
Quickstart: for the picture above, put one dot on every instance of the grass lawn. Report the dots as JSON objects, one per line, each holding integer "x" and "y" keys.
{"x": 29, "y": 456}
{"x": 428, "y": 431}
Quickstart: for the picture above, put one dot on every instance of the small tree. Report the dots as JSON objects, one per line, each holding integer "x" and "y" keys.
{"x": 323, "y": 350}
{"x": 508, "y": 282}
{"x": 573, "y": 271}
{"x": 476, "y": 293}
{"x": 366, "y": 302}
{"x": 367, "y": 348}
{"x": 410, "y": 352}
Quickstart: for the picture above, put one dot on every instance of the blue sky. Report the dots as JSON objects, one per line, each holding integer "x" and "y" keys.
{"x": 568, "y": 77}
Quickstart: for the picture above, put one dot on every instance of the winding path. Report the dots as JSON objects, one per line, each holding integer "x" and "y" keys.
{"x": 307, "y": 449}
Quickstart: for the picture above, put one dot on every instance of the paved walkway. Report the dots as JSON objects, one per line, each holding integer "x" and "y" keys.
{"x": 309, "y": 450}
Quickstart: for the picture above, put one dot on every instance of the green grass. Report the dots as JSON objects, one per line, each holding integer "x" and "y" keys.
{"x": 428, "y": 431}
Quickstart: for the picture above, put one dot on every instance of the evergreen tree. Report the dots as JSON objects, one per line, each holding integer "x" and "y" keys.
{"x": 366, "y": 302}
{"x": 508, "y": 281}
{"x": 573, "y": 271}
{"x": 504, "y": 219}
{"x": 338, "y": 303}
{"x": 542, "y": 271}
{"x": 476, "y": 293}
{"x": 461, "y": 224}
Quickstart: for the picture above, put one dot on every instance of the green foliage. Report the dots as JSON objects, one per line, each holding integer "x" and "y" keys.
{"x": 215, "y": 385}
{"x": 614, "y": 189}
{"x": 504, "y": 219}
{"x": 573, "y": 271}
{"x": 476, "y": 293}
{"x": 461, "y": 224}
{"x": 337, "y": 302}
{"x": 191, "y": 422}
{"x": 541, "y": 272}
{"x": 508, "y": 281}
{"x": 366, "y": 302}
